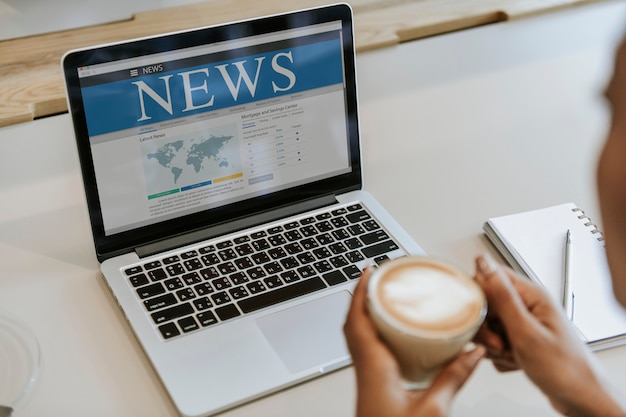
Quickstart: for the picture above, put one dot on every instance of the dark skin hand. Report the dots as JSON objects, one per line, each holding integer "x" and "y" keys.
{"x": 380, "y": 390}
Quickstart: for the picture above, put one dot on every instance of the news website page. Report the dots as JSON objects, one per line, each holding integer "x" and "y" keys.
{"x": 173, "y": 135}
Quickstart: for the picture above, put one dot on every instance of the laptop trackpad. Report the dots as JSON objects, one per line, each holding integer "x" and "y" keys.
{"x": 308, "y": 335}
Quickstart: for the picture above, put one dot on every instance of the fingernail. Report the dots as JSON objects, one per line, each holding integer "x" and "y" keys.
{"x": 486, "y": 264}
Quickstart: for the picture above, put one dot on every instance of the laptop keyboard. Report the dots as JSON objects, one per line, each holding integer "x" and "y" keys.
{"x": 191, "y": 290}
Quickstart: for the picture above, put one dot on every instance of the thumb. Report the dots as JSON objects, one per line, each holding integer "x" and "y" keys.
{"x": 503, "y": 298}
{"x": 450, "y": 380}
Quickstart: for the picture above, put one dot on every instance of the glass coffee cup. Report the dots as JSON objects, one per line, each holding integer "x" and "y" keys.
{"x": 426, "y": 311}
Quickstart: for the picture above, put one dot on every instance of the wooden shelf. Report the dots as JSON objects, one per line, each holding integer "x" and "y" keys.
{"x": 31, "y": 84}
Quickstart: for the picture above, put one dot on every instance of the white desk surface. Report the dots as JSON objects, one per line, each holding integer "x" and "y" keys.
{"x": 456, "y": 129}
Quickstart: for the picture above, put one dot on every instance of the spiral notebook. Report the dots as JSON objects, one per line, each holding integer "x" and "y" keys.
{"x": 533, "y": 243}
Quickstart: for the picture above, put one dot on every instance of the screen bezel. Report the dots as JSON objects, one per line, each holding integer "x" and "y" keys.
{"x": 111, "y": 245}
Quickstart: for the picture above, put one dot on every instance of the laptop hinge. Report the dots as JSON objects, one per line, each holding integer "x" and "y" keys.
{"x": 232, "y": 226}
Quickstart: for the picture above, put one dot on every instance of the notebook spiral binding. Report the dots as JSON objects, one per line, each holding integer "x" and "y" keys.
{"x": 589, "y": 223}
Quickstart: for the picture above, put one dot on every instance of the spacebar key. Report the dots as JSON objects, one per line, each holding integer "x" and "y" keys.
{"x": 281, "y": 294}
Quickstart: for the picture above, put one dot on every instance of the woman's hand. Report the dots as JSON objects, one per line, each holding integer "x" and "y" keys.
{"x": 379, "y": 389}
{"x": 526, "y": 330}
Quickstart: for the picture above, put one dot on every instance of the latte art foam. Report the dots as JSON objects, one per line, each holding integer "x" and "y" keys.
{"x": 430, "y": 297}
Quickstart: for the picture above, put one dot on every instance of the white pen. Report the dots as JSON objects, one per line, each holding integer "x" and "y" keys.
{"x": 568, "y": 293}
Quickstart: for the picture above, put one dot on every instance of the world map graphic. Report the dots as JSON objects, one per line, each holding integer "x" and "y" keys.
{"x": 191, "y": 160}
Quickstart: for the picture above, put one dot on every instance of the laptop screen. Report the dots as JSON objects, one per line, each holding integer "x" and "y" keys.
{"x": 236, "y": 121}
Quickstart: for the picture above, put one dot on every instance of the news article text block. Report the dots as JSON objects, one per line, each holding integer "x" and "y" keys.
{"x": 31, "y": 84}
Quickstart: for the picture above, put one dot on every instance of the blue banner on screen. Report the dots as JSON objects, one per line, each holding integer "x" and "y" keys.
{"x": 168, "y": 95}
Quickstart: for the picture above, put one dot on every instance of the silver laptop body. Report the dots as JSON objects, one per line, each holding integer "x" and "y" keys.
{"x": 222, "y": 173}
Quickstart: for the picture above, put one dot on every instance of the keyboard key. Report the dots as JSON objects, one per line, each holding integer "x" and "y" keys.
{"x": 305, "y": 258}
{"x": 281, "y": 294}
{"x": 353, "y": 243}
{"x": 337, "y": 248}
{"x": 358, "y": 216}
{"x": 256, "y": 272}
{"x": 354, "y": 207}
{"x": 260, "y": 245}
{"x": 324, "y": 226}
{"x": 277, "y": 253}
{"x": 221, "y": 283}
{"x": 185, "y": 294}
{"x": 293, "y": 235}
{"x": 260, "y": 258}
{"x": 227, "y": 254}
{"x": 192, "y": 278}
{"x": 220, "y": 298}
{"x": 206, "y": 318}
{"x": 238, "y": 278}
{"x": 370, "y": 225}
{"x": 322, "y": 253}
{"x": 340, "y": 234}
{"x": 289, "y": 276}
{"x": 334, "y": 278}
{"x": 161, "y": 301}
{"x": 338, "y": 261}
{"x": 210, "y": 259}
{"x": 151, "y": 290}
{"x": 227, "y": 312}
{"x": 322, "y": 266}
{"x": 291, "y": 225}
{"x": 339, "y": 222}
{"x": 204, "y": 288}
{"x": 308, "y": 231}
{"x": 373, "y": 237}
{"x": 274, "y": 230}
{"x": 256, "y": 287}
{"x": 323, "y": 216}
{"x": 258, "y": 235}
{"x": 207, "y": 249}
{"x": 189, "y": 254}
{"x": 352, "y": 272}
{"x": 244, "y": 263}
{"x": 224, "y": 245}
{"x": 174, "y": 284}
{"x": 325, "y": 239}
{"x": 289, "y": 263}
{"x": 339, "y": 212}
{"x": 276, "y": 240}
{"x": 227, "y": 268}
{"x": 308, "y": 220}
{"x": 241, "y": 239}
{"x": 138, "y": 280}
{"x": 354, "y": 257}
{"x": 152, "y": 265}
{"x": 273, "y": 268}
{"x": 175, "y": 269}
{"x": 272, "y": 282}
{"x": 380, "y": 259}
{"x": 355, "y": 230}
{"x": 172, "y": 313}
{"x": 293, "y": 248}
{"x": 134, "y": 270}
{"x": 379, "y": 249}
{"x": 169, "y": 330}
{"x": 188, "y": 324}
{"x": 306, "y": 271}
{"x": 244, "y": 249}
{"x": 238, "y": 292}
{"x": 209, "y": 273}
{"x": 193, "y": 264}
{"x": 202, "y": 303}
{"x": 157, "y": 274}
{"x": 309, "y": 243}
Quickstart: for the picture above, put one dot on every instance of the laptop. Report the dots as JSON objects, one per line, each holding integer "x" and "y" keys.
{"x": 222, "y": 174}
